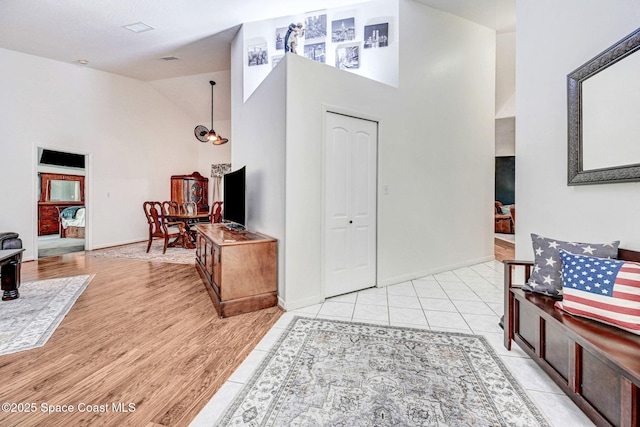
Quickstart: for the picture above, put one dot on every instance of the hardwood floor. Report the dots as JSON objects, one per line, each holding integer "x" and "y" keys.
{"x": 142, "y": 333}
{"x": 503, "y": 249}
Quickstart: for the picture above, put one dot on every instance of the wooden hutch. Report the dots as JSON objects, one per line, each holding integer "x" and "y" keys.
{"x": 191, "y": 188}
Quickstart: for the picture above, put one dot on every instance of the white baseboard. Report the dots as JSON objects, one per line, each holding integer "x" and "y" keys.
{"x": 431, "y": 271}
{"x": 305, "y": 302}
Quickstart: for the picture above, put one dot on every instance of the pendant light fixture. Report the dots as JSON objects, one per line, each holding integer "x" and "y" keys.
{"x": 209, "y": 135}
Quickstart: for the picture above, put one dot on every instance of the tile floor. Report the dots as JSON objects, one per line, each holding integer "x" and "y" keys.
{"x": 466, "y": 300}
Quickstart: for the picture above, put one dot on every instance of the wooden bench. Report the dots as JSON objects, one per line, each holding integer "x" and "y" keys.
{"x": 596, "y": 365}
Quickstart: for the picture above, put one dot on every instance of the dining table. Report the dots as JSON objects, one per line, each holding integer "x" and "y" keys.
{"x": 187, "y": 241}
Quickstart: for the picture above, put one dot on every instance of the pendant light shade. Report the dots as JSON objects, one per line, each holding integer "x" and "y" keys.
{"x": 216, "y": 139}
{"x": 205, "y": 135}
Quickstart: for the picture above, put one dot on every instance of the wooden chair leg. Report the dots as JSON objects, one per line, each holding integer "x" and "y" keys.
{"x": 149, "y": 244}
{"x": 166, "y": 242}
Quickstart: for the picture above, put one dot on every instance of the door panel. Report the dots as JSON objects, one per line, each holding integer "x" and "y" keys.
{"x": 338, "y": 254}
{"x": 350, "y": 203}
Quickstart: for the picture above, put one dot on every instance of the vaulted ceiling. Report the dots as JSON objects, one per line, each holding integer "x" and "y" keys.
{"x": 196, "y": 32}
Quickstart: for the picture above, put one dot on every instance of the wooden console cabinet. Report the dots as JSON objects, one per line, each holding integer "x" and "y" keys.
{"x": 238, "y": 268}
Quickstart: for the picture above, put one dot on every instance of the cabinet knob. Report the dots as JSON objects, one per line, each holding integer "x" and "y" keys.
{"x": 350, "y": 222}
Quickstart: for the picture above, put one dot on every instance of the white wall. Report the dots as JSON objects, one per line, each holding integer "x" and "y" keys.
{"x": 506, "y": 137}
{"x": 505, "y": 75}
{"x": 263, "y": 130}
{"x": 135, "y": 138}
{"x": 380, "y": 64}
{"x": 436, "y": 151}
{"x": 553, "y": 39}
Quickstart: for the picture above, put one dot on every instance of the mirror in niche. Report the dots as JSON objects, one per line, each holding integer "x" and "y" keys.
{"x": 604, "y": 106}
{"x": 63, "y": 190}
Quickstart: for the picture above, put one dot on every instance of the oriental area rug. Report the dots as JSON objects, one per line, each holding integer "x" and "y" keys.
{"x": 29, "y": 321}
{"x": 138, "y": 251}
{"x": 333, "y": 373}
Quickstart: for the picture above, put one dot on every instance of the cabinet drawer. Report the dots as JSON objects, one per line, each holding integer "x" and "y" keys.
{"x": 48, "y": 211}
{"x": 47, "y": 228}
{"x": 48, "y": 220}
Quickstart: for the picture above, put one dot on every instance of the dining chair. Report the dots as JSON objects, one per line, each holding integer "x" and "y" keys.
{"x": 159, "y": 225}
{"x": 171, "y": 207}
{"x": 216, "y": 212}
{"x": 190, "y": 208}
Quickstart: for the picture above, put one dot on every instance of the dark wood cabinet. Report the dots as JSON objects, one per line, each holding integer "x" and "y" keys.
{"x": 191, "y": 188}
{"x": 238, "y": 268}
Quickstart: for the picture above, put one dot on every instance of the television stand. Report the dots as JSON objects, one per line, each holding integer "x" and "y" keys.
{"x": 239, "y": 268}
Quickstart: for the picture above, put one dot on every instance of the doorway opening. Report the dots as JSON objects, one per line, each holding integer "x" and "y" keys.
{"x": 505, "y": 187}
{"x": 61, "y": 202}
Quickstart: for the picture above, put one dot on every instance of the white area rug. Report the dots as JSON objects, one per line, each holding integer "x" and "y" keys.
{"x": 333, "y": 373}
{"x": 29, "y": 321}
{"x": 139, "y": 251}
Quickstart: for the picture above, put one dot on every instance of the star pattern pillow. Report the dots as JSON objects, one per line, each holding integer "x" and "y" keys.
{"x": 601, "y": 289}
{"x": 546, "y": 277}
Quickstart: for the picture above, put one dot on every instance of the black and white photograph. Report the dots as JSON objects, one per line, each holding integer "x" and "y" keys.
{"x": 343, "y": 30}
{"x": 258, "y": 55}
{"x": 348, "y": 57}
{"x": 376, "y": 35}
{"x": 275, "y": 60}
{"x": 315, "y": 27}
{"x": 316, "y": 52}
{"x": 280, "y": 34}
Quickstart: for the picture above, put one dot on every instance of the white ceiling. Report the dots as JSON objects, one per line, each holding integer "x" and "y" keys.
{"x": 198, "y": 32}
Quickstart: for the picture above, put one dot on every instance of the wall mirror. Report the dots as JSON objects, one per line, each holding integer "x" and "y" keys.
{"x": 61, "y": 188}
{"x": 603, "y": 108}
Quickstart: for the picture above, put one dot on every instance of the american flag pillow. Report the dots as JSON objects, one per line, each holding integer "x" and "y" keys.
{"x": 602, "y": 289}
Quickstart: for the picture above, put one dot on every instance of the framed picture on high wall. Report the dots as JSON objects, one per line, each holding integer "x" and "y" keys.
{"x": 315, "y": 27}
{"x": 343, "y": 30}
{"x": 376, "y": 35}
{"x": 316, "y": 52}
{"x": 257, "y": 54}
{"x": 348, "y": 56}
{"x": 280, "y": 35}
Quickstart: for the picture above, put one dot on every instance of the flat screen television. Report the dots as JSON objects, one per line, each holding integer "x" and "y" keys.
{"x": 234, "y": 193}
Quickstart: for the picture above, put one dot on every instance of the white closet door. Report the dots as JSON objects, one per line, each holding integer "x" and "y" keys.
{"x": 350, "y": 177}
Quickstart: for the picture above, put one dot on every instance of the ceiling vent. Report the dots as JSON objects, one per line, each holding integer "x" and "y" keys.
{"x": 138, "y": 27}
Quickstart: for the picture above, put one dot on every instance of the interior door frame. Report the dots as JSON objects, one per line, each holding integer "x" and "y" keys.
{"x": 88, "y": 200}
{"x": 327, "y": 108}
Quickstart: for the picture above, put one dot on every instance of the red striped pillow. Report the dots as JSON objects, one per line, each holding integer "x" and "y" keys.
{"x": 601, "y": 289}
